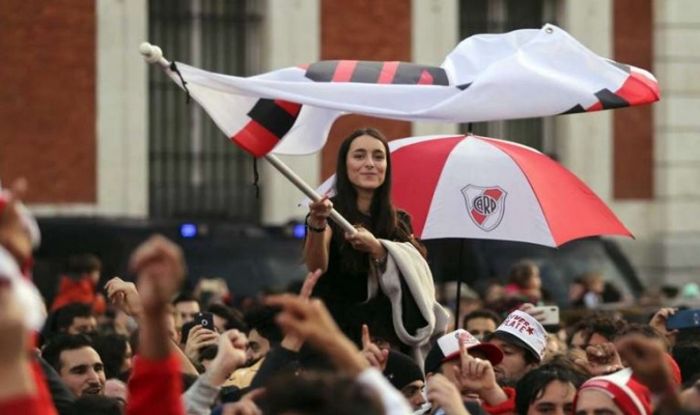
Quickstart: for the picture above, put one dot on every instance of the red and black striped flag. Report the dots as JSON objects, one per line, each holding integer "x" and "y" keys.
{"x": 521, "y": 74}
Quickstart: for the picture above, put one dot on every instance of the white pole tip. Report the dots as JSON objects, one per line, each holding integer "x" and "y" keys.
{"x": 145, "y": 49}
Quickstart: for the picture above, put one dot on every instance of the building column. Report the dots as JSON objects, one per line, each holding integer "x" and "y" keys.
{"x": 292, "y": 36}
{"x": 122, "y": 108}
{"x": 435, "y": 32}
{"x": 677, "y": 147}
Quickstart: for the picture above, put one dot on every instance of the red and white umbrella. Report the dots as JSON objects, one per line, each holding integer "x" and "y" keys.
{"x": 483, "y": 188}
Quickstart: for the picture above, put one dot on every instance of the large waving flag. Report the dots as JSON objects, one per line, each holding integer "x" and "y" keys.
{"x": 521, "y": 74}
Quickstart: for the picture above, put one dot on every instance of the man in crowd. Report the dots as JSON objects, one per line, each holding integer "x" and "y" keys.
{"x": 523, "y": 341}
{"x": 481, "y": 323}
{"x": 468, "y": 365}
{"x": 186, "y": 308}
{"x": 77, "y": 363}
{"x": 263, "y": 335}
{"x": 75, "y": 318}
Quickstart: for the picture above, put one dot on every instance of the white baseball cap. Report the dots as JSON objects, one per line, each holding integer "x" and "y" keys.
{"x": 526, "y": 330}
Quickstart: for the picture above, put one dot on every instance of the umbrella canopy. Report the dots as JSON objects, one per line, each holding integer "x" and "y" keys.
{"x": 484, "y": 188}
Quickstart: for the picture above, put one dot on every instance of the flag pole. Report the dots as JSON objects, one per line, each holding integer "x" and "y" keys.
{"x": 154, "y": 54}
{"x": 307, "y": 190}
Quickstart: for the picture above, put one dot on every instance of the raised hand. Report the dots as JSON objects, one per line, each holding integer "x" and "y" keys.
{"x": 310, "y": 320}
{"x": 647, "y": 359}
{"x": 375, "y": 356}
{"x": 603, "y": 359}
{"x": 123, "y": 295}
{"x": 309, "y": 283}
{"x": 444, "y": 394}
{"x": 160, "y": 266}
{"x": 307, "y": 319}
{"x": 319, "y": 212}
{"x": 290, "y": 341}
{"x": 14, "y": 235}
{"x": 15, "y": 372}
{"x": 477, "y": 375}
{"x": 363, "y": 240}
{"x": 533, "y": 311}
{"x": 198, "y": 338}
{"x": 658, "y": 321}
{"x": 229, "y": 356}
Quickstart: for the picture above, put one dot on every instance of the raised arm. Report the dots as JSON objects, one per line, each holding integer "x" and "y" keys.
{"x": 318, "y": 235}
{"x": 155, "y": 385}
{"x": 311, "y": 321}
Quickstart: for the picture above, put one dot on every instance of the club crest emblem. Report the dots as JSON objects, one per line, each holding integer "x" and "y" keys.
{"x": 485, "y": 205}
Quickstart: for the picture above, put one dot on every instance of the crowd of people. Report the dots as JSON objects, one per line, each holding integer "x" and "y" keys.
{"x": 363, "y": 333}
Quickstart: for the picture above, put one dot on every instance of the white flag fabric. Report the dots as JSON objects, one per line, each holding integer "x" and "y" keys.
{"x": 520, "y": 74}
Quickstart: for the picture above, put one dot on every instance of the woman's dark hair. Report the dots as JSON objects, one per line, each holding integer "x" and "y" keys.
{"x": 383, "y": 220}
{"x": 532, "y": 386}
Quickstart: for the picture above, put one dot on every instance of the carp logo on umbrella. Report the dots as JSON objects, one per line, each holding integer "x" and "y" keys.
{"x": 485, "y": 205}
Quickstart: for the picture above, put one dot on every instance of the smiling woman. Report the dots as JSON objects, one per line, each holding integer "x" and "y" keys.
{"x": 363, "y": 187}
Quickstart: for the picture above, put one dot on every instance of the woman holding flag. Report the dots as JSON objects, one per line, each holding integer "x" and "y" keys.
{"x": 353, "y": 263}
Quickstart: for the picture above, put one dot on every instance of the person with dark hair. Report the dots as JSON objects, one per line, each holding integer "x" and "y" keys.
{"x": 315, "y": 393}
{"x": 115, "y": 351}
{"x": 523, "y": 341}
{"x": 264, "y": 334}
{"x": 687, "y": 355}
{"x": 481, "y": 323}
{"x": 402, "y": 371}
{"x": 97, "y": 405}
{"x": 646, "y": 331}
{"x": 78, "y": 283}
{"x": 74, "y": 318}
{"x": 186, "y": 308}
{"x": 371, "y": 393}
{"x": 362, "y": 196}
{"x": 227, "y": 318}
{"x": 524, "y": 281}
{"x": 468, "y": 364}
{"x": 77, "y": 363}
{"x": 548, "y": 389}
{"x": 406, "y": 376}
{"x": 601, "y": 328}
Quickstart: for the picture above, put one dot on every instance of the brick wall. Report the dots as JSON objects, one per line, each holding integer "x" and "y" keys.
{"x": 47, "y": 98}
{"x": 364, "y": 30}
{"x": 633, "y": 156}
